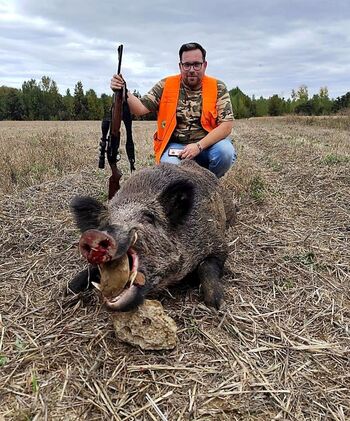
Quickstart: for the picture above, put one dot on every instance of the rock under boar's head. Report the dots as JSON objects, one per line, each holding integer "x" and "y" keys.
{"x": 164, "y": 223}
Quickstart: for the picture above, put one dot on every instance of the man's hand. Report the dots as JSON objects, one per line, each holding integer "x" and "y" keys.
{"x": 136, "y": 106}
{"x": 190, "y": 151}
{"x": 117, "y": 82}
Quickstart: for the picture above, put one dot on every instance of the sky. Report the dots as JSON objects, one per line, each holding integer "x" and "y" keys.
{"x": 264, "y": 47}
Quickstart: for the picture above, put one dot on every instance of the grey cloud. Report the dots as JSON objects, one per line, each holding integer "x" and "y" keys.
{"x": 263, "y": 47}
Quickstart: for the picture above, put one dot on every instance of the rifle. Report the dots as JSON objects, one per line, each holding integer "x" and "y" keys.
{"x": 112, "y": 141}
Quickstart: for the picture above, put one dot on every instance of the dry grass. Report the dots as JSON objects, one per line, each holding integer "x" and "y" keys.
{"x": 279, "y": 347}
{"x": 340, "y": 121}
{"x": 35, "y": 152}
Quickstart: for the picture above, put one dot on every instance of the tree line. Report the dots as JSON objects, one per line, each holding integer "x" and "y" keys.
{"x": 42, "y": 101}
{"x": 299, "y": 103}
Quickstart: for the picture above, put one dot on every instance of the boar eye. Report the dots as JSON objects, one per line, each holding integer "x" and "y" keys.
{"x": 149, "y": 217}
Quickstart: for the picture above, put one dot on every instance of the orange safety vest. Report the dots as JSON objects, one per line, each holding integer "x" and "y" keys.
{"x": 166, "y": 122}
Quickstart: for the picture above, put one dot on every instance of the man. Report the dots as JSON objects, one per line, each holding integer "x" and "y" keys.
{"x": 194, "y": 111}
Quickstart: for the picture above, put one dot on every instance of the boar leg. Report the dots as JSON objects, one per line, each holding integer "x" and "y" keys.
{"x": 209, "y": 274}
{"x": 82, "y": 281}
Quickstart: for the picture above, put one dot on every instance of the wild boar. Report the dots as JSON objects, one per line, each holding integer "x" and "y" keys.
{"x": 165, "y": 223}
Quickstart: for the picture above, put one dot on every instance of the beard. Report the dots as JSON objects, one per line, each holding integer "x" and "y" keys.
{"x": 192, "y": 81}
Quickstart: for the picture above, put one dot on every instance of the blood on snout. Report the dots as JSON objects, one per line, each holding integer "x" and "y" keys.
{"x": 97, "y": 246}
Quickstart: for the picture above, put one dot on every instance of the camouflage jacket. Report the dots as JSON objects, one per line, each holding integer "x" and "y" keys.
{"x": 189, "y": 110}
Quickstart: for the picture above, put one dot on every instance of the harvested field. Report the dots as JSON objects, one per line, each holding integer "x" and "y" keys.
{"x": 277, "y": 350}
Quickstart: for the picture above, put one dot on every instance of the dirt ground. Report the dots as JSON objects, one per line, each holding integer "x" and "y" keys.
{"x": 278, "y": 349}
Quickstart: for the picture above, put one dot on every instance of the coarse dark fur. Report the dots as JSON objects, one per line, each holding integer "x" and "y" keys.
{"x": 179, "y": 216}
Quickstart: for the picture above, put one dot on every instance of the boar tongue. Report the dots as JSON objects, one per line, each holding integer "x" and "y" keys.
{"x": 114, "y": 276}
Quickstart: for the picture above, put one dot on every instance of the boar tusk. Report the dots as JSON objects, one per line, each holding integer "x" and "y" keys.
{"x": 135, "y": 238}
{"x": 96, "y": 285}
{"x": 132, "y": 277}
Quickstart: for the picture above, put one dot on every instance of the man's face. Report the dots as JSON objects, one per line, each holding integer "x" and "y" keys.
{"x": 192, "y": 68}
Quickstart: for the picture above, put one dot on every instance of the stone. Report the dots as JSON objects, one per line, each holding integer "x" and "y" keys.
{"x": 147, "y": 327}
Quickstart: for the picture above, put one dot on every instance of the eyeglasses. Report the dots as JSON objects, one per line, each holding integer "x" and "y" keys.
{"x": 197, "y": 65}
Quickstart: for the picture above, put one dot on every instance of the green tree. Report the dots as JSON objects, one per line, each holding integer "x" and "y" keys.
{"x": 11, "y": 104}
{"x": 15, "y": 106}
{"x": 326, "y": 103}
{"x": 302, "y": 94}
{"x": 288, "y": 106}
{"x": 304, "y": 108}
{"x": 241, "y": 103}
{"x": 252, "y": 108}
{"x": 80, "y": 103}
{"x": 94, "y": 106}
{"x": 106, "y": 101}
{"x": 342, "y": 102}
{"x": 32, "y": 97}
{"x": 3, "y": 101}
{"x": 51, "y": 100}
{"x": 4, "y": 91}
{"x": 67, "y": 109}
{"x": 275, "y": 105}
{"x": 299, "y": 98}
{"x": 262, "y": 107}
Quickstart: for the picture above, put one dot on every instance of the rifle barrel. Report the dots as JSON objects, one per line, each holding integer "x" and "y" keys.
{"x": 120, "y": 55}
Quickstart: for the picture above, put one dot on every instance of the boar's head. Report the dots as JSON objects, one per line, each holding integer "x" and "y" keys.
{"x": 134, "y": 240}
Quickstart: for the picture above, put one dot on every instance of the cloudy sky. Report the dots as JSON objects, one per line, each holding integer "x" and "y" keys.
{"x": 264, "y": 47}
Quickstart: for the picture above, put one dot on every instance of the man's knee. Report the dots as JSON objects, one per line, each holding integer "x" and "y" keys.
{"x": 222, "y": 157}
{"x": 228, "y": 153}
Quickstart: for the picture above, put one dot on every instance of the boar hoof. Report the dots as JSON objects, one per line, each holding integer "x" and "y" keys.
{"x": 209, "y": 273}
{"x": 213, "y": 296}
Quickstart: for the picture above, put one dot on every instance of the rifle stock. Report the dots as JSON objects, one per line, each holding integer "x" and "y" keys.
{"x": 114, "y": 181}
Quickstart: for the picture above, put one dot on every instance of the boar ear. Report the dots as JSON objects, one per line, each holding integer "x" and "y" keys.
{"x": 88, "y": 213}
{"x": 177, "y": 201}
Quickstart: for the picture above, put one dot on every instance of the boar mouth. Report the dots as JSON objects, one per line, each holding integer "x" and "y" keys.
{"x": 125, "y": 296}
{"x": 120, "y": 279}
{"x": 123, "y": 300}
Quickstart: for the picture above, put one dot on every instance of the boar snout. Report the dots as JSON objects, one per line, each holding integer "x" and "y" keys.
{"x": 97, "y": 246}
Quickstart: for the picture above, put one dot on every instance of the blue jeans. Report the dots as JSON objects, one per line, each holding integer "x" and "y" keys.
{"x": 218, "y": 158}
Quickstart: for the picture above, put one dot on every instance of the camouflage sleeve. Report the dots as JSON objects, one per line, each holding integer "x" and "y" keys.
{"x": 223, "y": 105}
{"x": 152, "y": 99}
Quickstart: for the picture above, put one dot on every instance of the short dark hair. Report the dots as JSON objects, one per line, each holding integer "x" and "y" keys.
{"x": 189, "y": 46}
